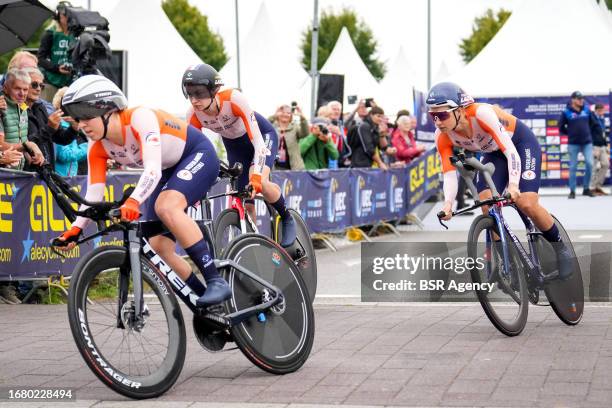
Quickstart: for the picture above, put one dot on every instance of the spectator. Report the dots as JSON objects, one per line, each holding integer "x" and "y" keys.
{"x": 323, "y": 111}
{"x": 364, "y": 138}
{"x": 70, "y": 158}
{"x": 337, "y": 130}
{"x": 601, "y": 151}
{"x": 357, "y": 116}
{"x": 576, "y": 122}
{"x": 388, "y": 153}
{"x": 290, "y": 132}
{"x": 22, "y": 60}
{"x": 403, "y": 139}
{"x": 44, "y": 129}
{"x": 53, "y": 53}
{"x": 317, "y": 148}
{"x": 14, "y": 124}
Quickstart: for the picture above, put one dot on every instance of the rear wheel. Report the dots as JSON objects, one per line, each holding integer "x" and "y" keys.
{"x": 278, "y": 340}
{"x": 504, "y": 298}
{"x": 302, "y": 251}
{"x": 136, "y": 359}
{"x": 566, "y": 295}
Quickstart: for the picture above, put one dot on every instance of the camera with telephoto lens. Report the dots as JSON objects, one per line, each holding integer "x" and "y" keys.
{"x": 324, "y": 130}
{"x": 90, "y": 31}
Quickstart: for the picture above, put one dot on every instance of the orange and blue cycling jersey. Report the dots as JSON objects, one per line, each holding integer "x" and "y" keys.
{"x": 503, "y": 139}
{"x": 165, "y": 147}
{"x": 248, "y": 137}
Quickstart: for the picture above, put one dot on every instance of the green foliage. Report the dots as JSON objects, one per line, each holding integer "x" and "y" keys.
{"x": 193, "y": 27}
{"x": 330, "y": 26}
{"x": 33, "y": 43}
{"x": 484, "y": 29}
{"x": 608, "y": 3}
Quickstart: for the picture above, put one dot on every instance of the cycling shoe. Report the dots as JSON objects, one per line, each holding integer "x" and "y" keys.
{"x": 288, "y": 231}
{"x": 217, "y": 290}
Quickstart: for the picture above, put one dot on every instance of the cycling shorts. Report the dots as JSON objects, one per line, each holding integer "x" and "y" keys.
{"x": 530, "y": 155}
{"x": 193, "y": 175}
{"x": 241, "y": 149}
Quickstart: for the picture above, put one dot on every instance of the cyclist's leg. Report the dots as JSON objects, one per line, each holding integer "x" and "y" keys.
{"x": 530, "y": 155}
{"x": 164, "y": 245}
{"x": 272, "y": 191}
{"x": 191, "y": 179}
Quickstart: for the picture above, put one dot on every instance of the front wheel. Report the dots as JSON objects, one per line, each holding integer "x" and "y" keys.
{"x": 227, "y": 227}
{"x": 136, "y": 359}
{"x": 278, "y": 340}
{"x": 505, "y": 296}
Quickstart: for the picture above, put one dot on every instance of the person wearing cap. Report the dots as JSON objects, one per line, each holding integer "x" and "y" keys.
{"x": 318, "y": 147}
{"x": 576, "y": 122}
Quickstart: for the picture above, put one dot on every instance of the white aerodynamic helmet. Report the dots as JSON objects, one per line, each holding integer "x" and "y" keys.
{"x": 93, "y": 96}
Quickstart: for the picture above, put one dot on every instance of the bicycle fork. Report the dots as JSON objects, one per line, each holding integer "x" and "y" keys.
{"x": 134, "y": 318}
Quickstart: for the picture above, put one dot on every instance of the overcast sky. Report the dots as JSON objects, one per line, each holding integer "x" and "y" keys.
{"x": 394, "y": 23}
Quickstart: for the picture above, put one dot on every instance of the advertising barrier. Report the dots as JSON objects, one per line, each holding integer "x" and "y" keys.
{"x": 328, "y": 200}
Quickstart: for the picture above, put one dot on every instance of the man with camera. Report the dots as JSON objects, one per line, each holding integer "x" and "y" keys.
{"x": 318, "y": 148}
{"x": 53, "y": 55}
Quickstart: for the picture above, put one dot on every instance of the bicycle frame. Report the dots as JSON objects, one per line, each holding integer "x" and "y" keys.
{"x": 135, "y": 239}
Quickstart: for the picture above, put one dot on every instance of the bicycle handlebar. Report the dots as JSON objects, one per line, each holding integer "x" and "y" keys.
{"x": 505, "y": 199}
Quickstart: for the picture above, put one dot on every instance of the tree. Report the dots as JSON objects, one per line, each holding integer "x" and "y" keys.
{"x": 609, "y": 3}
{"x": 484, "y": 29}
{"x": 330, "y": 26}
{"x": 193, "y": 27}
{"x": 33, "y": 43}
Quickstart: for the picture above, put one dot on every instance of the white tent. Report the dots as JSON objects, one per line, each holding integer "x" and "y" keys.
{"x": 267, "y": 77}
{"x": 442, "y": 73}
{"x": 547, "y": 47}
{"x": 157, "y": 54}
{"x": 344, "y": 60}
{"x": 396, "y": 86}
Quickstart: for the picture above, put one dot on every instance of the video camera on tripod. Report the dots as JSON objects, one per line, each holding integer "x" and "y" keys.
{"x": 90, "y": 30}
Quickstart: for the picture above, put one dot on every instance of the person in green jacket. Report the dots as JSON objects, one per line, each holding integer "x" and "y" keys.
{"x": 14, "y": 117}
{"x": 318, "y": 148}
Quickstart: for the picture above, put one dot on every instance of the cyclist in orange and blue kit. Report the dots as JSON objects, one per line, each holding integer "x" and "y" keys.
{"x": 504, "y": 141}
{"x": 249, "y": 138}
{"x": 179, "y": 167}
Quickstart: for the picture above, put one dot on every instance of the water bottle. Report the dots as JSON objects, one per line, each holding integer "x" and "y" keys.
{"x": 332, "y": 164}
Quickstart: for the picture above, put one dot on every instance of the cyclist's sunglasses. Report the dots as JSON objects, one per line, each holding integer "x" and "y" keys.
{"x": 83, "y": 111}
{"x": 442, "y": 115}
{"x": 197, "y": 91}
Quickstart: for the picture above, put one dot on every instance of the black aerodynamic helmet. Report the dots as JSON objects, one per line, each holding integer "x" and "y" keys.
{"x": 201, "y": 76}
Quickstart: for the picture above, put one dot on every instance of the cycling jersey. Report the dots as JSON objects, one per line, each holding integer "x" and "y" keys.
{"x": 235, "y": 119}
{"x": 492, "y": 130}
{"x": 153, "y": 140}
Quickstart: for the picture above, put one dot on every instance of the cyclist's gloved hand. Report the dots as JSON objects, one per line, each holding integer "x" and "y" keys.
{"x": 68, "y": 239}
{"x": 448, "y": 210}
{"x": 255, "y": 181}
{"x": 130, "y": 210}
